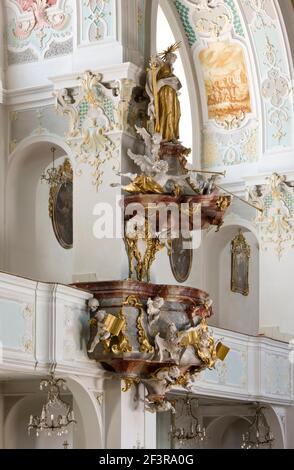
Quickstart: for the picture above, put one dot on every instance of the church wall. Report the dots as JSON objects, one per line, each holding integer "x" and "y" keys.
{"x": 258, "y": 145}
{"x": 33, "y": 249}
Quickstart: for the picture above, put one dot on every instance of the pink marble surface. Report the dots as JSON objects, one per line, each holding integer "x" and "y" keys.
{"x": 28, "y": 4}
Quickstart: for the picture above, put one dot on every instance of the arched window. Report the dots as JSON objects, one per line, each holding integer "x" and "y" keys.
{"x": 165, "y": 38}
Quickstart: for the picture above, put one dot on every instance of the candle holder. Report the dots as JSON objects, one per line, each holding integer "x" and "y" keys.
{"x": 56, "y": 415}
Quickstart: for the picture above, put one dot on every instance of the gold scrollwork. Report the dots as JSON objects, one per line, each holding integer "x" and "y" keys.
{"x": 122, "y": 343}
{"x": 223, "y": 203}
{"x": 145, "y": 346}
{"x": 153, "y": 246}
{"x": 65, "y": 173}
{"x": 129, "y": 383}
{"x": 203, "y": 343}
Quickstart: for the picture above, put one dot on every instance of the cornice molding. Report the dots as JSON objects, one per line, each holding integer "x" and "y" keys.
{"x": 32, "y": 97}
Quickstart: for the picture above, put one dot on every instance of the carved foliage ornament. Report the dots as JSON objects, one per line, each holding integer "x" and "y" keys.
{"x": 261, "y": 18}
{"x": 211, "y": 18}
{"x": 276, "y": 222}
{"x": 276, "y": 89}
{"x": 97, "y": 20}
{"x": 37, "y": 24}
{"x": 94, "y": 110}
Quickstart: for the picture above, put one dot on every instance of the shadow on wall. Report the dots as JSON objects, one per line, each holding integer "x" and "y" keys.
{"x": 233, "y": 311}
{"x": 32, "y": 249}
{"x": 226, "y": 432}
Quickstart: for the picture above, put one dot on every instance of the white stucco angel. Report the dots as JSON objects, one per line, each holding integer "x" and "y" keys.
{"x": 169, "y": 345}
{"x": 135, "y": 227}
{"x": 152, "y": 142}
{"x": 160, "y": 407}
{"x": 153, "y": 310}
{"x": 156, "y": 169}
{"x": 100, "y": 315}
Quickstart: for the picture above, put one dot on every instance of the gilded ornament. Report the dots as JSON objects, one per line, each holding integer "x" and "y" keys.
{"x": 129, "y": 383}
{"x": 240, "y": 264}
{"x": 144, "y": 263}
{"x": 122, "y": 343}
{"x": 163, "y": 88}
{"x": 223, "y": 203}
{"x": 145, "y": 346}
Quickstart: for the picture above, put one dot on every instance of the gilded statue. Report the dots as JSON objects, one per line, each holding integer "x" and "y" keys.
{"x": 163, "y": 88}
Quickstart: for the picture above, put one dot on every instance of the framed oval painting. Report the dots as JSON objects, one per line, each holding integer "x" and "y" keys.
{"x": 61, "y": 207}
{"x": 181, "y": 258}
{"x": 62, "y": 215}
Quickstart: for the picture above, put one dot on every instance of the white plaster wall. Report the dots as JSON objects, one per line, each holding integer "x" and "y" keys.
{"x": 97, "y": 258}
{"x": 3, "y": 159}
{"x": 276, "y": 290}
{"x": 237, "y": 312}
{"x": 290, "y": 427}
{"x": 232, "y": 311}
{"x": 1, "y": 419}
{"x": 16, "y": 435}
{"x": 32, "y": 248}
{"x": 127, "y": 424}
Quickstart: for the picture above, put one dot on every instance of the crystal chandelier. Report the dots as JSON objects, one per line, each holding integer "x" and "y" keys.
{"x": 56, "y": 414}
{"x": 194, "y": 431}
{"x": 259, "y": 435}
{"x": 55, "y": 176}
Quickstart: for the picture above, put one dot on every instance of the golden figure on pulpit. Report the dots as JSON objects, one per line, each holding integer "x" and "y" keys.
{"x": 163, "y": 88}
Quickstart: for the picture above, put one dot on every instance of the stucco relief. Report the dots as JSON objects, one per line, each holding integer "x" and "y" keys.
{"x": 27, "y": 338}
{"x": 97, "y": 20}
{"x": 266, "y": 34}
{"x": 276, "y": 222}
{"x": 229, "y": 107}
{"x": 277, "y": 375}
{"x": 235, "y": 148}
{"x": 34, "y": 122}
{"x": 276, "y": 89}
{"x": 261, "y": 14}
{"x": 95, "y": 109}
{"x": 34, "y": 24}
{"x": 211, "y": 18}
{"x": 231, "y": 373}
{"x": 74, "y": 334}
{"x": 262, "y": 43}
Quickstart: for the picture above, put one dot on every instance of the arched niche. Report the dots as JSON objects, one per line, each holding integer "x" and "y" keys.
{"x": 232, "y": 311}
{"x": 169, "y": 14}
{"x": 15, "y": 429}
{"x": 32, "y": 249}
{"x": 225, "y": 432}
{"x": 87, "y": 434}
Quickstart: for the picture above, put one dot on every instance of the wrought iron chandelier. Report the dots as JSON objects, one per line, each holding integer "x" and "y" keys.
{"x": 194, "y": 431}
{"x": 55, "y": 176}
{"x": 259, "y": 435}
{"x": 56, "y": 415}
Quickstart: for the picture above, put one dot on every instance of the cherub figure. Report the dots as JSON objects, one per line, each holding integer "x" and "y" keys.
{"x": 153, "y": 310}
{"x": 170, "y": 344}
{"x": 100, "y": 315}
{"x": 160, "y": 407}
